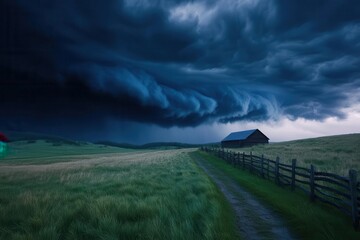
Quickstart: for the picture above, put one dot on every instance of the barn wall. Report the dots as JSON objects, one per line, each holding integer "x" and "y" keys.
{"x": 232, "y": 144}
{"x": 256, "y": 137}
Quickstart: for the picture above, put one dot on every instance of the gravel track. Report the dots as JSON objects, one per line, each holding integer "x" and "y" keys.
{"x": 254, "y": 220}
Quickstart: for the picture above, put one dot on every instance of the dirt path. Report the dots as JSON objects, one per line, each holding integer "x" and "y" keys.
{"x": 254, "y": 220}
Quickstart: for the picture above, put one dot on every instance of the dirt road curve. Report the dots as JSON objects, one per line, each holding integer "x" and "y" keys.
{"x": 254, "y": 220}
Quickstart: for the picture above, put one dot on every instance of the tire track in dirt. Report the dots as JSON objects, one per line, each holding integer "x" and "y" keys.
{"x": 254, "y": 220}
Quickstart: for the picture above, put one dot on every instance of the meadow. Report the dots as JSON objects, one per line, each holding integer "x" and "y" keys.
{"x": 52, "y": 150}
{"x": 336, "y": 154}
{"x": 51, "y": 191}
{"x": 58, "y": 189}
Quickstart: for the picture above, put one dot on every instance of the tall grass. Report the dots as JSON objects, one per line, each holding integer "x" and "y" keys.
{"x": 162, "y": 195}
{"x": 335, "y": 154}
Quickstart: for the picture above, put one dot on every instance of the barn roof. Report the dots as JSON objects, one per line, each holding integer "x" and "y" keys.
{"x": 242, "y": 135}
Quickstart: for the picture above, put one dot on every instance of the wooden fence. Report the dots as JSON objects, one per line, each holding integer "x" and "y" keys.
{"x": 340, "y": 192}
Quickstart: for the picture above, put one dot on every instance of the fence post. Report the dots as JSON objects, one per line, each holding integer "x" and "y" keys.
{"x": 262, "y": 165}
{"x": 277, "y": 177}
{"x": 234, "y": 156}
{"x": 243, "y": 160}
{"x": 251, "y": 162}
{"x": 233, "y": 159}
{"x": 238, "y": 159}
{"x": 268, "y": 168}
{"x": 312, "y": 183}
{"x": 293, "y": 174}
{"x": 354, "y": 197}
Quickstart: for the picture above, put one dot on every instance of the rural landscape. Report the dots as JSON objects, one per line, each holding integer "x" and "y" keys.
{"x": 180, "y": 120}
{"x": 52, "y": 188}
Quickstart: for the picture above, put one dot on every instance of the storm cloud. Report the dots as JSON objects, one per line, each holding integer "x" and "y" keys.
{"x": 177, "y": 63}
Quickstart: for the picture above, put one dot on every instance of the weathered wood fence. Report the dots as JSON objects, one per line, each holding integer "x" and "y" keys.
{"x": 340, "y": 192}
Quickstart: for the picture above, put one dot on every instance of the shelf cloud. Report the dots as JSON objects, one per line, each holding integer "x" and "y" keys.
{"x": 176, "y": 63}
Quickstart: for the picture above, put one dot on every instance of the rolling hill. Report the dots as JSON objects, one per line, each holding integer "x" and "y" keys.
{"x": 335, "y": 154}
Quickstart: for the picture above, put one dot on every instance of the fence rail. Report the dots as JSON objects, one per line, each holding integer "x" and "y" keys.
{"x": 338, "y": 191}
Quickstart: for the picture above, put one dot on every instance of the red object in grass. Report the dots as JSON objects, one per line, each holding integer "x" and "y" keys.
{"x": 3, "y": 138}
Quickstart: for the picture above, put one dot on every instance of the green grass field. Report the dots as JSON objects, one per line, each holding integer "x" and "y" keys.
{"x": 49, "y": 151}
{"x": 336, "y": 154}
{"x": 58, "y": 189}
{"x": 51, "y": 191}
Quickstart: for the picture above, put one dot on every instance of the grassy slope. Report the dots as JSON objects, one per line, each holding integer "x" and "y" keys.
{"x": 154, "y": 145}
{"x": 310, "y": 221}
{"x": 15, "y": 136}
{"x": 48, "y": 151}
{"x": 335, "y": 154}
{"x": 162, "y": 196}
{"x": 25, "y": 136}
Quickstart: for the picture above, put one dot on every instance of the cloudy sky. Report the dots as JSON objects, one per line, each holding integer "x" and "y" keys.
{"x": 174, "y": 70}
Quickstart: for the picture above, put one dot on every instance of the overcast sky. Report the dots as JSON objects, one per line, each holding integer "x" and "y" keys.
{"x": 173, "y": 70}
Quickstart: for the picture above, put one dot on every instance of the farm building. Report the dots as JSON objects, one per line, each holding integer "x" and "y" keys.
{"x": 244, "y": 139}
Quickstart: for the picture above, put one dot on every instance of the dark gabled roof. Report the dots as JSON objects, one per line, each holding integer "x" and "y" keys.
{"x": 242, "y": 135}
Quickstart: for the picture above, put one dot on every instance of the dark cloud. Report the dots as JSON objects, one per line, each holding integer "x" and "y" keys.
{"x": 175, "y": 63}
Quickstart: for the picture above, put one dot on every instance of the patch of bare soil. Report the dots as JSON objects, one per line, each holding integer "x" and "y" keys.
{"x": 254, "y": 219}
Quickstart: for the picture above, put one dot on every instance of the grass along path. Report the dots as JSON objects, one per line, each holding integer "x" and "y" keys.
{"x": 254, "y": 220}
{"x": 307, "y": 219}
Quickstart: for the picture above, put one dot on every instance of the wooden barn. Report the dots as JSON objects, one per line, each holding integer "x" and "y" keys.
{"x": 244, "y": 139}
